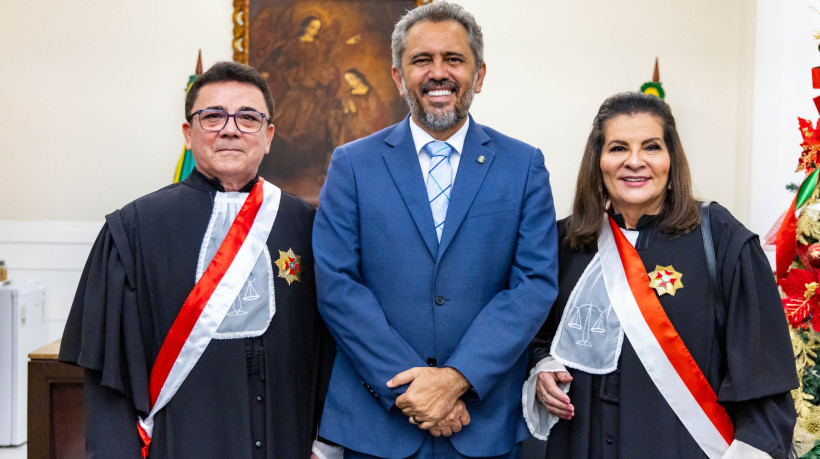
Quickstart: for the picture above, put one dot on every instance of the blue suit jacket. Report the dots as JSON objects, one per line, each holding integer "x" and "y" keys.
{"x": 394, "y": 298}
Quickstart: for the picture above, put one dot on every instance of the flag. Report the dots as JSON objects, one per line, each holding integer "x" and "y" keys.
{"x": 186, "y": 160}
{"x": 654, "y": 87}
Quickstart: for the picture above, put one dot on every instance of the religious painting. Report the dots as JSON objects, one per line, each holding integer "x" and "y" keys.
{"x": 328, "y": 64}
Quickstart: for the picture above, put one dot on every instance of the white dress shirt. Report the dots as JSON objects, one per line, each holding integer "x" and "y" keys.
{"x": 422, "y": 138}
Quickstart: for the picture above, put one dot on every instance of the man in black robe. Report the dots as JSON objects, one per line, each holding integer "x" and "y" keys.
{"x": 257, "y": 388}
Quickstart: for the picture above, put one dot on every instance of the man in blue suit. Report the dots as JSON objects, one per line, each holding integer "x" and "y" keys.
{"x": 436, "y": 258}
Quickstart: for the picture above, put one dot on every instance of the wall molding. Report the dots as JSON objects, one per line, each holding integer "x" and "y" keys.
{"x": 48, "y": 231}
{"x": 54, "y": 251}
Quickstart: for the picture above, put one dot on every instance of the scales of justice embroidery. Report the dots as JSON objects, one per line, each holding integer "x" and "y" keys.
{"x": 589, "y": 336}
{"x": 580, "y": 319}
{"x": 248, "y": 294}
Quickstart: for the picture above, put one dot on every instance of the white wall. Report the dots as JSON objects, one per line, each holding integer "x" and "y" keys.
{"x": 93, "y": 90}
{"x": 785, "y": 53}
{"x": 92, "y": 99}
{"x": 551, "y": 64}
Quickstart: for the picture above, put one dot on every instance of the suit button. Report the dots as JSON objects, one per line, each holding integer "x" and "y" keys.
{"x": 258, "y": 444}
{"x": 440, "y": 300}
{"x": 431, "y": 361}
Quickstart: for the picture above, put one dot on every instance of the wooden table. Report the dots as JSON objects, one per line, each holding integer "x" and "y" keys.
{"x": 56, "y": 426}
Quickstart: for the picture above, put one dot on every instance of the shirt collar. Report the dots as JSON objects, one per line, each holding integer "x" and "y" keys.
{"x": 422, "y": 138}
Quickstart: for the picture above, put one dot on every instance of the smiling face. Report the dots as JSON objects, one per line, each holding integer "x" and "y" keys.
{"x": 635, "y": 165}
{"x": 230, "y": 155}
{"x": 438, "y": 77}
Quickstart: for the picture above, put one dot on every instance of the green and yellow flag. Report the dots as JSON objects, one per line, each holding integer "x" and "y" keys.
{"x": 186, "y": 160}
{"x": 654, "y": 87}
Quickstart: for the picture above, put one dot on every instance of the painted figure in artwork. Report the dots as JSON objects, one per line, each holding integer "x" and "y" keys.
{"x": 304, "y": 74}
{"x": 322, "y": 60}
{"x": 308, "y": 81}
{"x": 362, "y": 111}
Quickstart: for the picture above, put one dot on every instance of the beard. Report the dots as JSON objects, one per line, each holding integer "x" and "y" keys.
{"x": 438, "y": 117}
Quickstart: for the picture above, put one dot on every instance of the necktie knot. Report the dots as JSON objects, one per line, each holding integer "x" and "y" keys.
{"x": 437, "y": 148}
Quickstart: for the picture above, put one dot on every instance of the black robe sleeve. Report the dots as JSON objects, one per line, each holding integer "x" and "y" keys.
{"x": 759, "y": 360}
{"x": 327, "y": 353}
{"x": 103, "y": 335}
{"x": 757, "y": 335}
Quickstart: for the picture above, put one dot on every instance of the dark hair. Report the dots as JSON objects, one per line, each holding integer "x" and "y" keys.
{"x": 305, "y": 23}
{"x": 360, "y": 76}
{"x": 679, "y": 213}
{"x": 439, "y": 11}
{"x": 228, "y": 71}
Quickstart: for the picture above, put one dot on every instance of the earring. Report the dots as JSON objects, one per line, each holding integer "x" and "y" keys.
{"x": 669, "y": 186}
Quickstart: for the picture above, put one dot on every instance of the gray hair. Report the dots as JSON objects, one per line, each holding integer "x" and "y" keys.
{"x": 438, "y": 11}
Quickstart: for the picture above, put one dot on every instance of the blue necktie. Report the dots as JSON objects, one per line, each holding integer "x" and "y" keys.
{"x": 439, "y": 182}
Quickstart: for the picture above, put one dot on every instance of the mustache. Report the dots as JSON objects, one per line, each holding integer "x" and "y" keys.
{"x": 432, "y": 85}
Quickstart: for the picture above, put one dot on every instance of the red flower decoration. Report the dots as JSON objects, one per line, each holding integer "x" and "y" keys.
{"x": 802, "y": 299}
{"x": 811, "y": 145}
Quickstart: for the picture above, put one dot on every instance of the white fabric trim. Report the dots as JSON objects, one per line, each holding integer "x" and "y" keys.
{"x": 740, "y": 450}
{"x": 325, "y": 451}
{"x": 649, "y": 351}
{"x": 219, "y": 302}
{"x": 539, "y": 419}
{"x": 600, "y": 350}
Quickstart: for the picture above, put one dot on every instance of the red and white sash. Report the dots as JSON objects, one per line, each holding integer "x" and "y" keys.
{"x": 659, "y": 347}
{"x": 210, "y": 300}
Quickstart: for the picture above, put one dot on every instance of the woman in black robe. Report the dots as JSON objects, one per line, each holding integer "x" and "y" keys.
{"x": 634, "y": 169}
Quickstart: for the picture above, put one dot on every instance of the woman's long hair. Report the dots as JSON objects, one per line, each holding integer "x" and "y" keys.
{"x": 679, "y": 213}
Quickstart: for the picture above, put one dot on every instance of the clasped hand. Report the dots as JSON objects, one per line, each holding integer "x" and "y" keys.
{"x": 551, "y": 396}
{"x": 432, "y": 400}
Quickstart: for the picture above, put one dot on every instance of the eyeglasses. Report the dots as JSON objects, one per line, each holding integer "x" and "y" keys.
{"x": 247, "y": 121}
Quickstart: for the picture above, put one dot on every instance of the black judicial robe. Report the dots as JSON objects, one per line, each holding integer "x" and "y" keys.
{"x": 622, "y": 414}
{"x": 245, "y": 398}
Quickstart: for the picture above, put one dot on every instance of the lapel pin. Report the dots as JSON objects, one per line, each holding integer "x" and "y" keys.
{"x": 480, "y": 160}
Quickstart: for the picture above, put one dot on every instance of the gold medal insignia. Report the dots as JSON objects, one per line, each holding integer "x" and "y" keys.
{"x": 664, "y": 279}
{"x": 290, "y": 266}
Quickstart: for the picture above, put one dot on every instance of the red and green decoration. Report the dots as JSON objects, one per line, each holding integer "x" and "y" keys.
{"x": 796, "y": 237}
{"x": 186, "y": 160}
{"x": 654, "y": 87}
{"x": 797, "y": 242}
